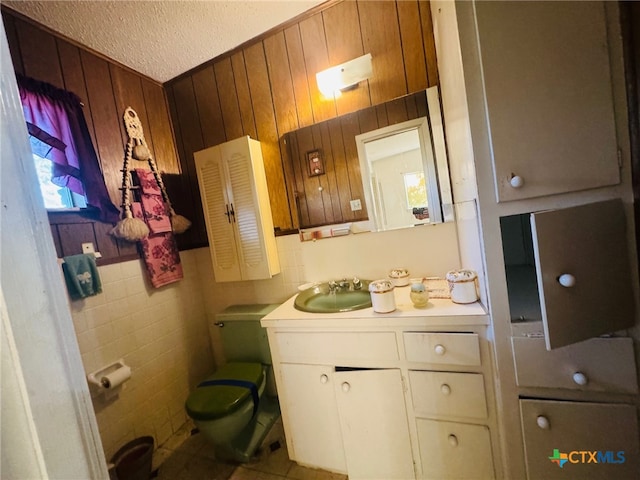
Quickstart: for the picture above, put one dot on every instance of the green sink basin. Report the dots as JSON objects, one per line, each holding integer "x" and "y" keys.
{"x": 319, "y": 298}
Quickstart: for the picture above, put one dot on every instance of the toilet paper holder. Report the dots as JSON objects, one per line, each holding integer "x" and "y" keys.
{"x": 109, "y": 379}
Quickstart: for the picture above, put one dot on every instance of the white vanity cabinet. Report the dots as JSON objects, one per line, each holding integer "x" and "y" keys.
{"x": 339, "y": 415}
{"x": 450, "y": 405}
{"x": 393, "y": 396}
{"x": 235, "y": 201}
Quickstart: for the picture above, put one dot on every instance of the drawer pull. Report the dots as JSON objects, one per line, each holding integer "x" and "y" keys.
{"x": 567, "y": 280}
{"x": 516, "y": 181}
{"x": 580, "y": 378}
{"x": 543, "y": 422}
{"x": 445, "y": 389}
{"x": 453, "y": 440}
{"x": 346, "y": 387}
{"x": 439, "y": 349}
{"x": 324, "y": 378}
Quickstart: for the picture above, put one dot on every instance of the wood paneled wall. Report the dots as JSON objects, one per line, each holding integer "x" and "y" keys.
{"x": 267, "y": 87}
{"x": 106, "y": 89}
{"x": 325, "y": 199}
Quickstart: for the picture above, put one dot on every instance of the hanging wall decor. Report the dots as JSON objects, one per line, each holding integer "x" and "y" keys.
{"x": 129, "y": 227}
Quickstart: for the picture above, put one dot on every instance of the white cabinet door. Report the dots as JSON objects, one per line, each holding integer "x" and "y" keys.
{"x": 549, "y": 96}
{"x": 580, "y": 440}
{"x": 583, "y": 271}
{"x": 454, "y": 451}
{"x": 310, "y": 413}
{"x": 375, "y": 428}
{"x": 217, "y": 206}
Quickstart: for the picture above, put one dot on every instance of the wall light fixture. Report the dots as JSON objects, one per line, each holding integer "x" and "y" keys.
{"x": 332, "y": 80}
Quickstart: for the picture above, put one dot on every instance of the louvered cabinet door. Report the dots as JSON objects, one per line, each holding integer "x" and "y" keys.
{"x": 217, "y": 207}
{"x": 252, "y": 219}
{"x": 251, "y": 254}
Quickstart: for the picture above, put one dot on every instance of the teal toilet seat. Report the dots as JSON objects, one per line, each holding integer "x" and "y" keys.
{"x": 225, "y": 391}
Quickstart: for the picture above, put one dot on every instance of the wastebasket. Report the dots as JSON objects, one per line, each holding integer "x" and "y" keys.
{"x": 133, "y": 461}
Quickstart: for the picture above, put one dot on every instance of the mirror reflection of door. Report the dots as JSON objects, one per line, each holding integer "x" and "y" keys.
{"x": 399, "y": 175}
{"x": 397, "y": 180}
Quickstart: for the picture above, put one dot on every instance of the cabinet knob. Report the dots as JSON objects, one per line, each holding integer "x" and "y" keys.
{"x": 567, "y": 280}
{"x": 580, "y": 378}
{"x": 543, "y": 422}
{"x": 324, "y": 378}
{"x": 516, "y": 181}
{"x": 346, "y": 387}
{"x": 453, "y": 440}
{"x": 439, "y": 349}
{"x": 445, "y": 389}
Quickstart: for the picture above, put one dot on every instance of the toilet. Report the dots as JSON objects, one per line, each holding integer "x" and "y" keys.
{"x": 235, "y": 408}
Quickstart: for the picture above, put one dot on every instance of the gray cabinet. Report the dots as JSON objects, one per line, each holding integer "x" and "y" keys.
{"x": 548, "y": 89}
{"x": 569, "y": 268}
{"x": 580, "y": 440}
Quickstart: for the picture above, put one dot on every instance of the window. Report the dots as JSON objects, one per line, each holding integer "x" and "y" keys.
{"x": 65, "y": 159}
{"x": 54, "y": 196}
{"x": 416, "y": 190}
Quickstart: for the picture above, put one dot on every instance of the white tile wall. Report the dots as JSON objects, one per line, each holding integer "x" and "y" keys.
{"x": 162, "y": 334}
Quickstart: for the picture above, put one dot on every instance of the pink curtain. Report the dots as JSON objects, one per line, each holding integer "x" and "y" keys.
{"x": 58, "y": 131}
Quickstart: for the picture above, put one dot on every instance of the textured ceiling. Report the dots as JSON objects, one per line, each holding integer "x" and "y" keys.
{"x": 164, "y": 38}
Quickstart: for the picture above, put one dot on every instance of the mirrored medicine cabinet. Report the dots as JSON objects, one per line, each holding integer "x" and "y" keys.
{"x": 385, "y": 165}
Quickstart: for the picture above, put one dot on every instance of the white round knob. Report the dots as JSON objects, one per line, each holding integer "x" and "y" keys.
{"x": 445, "y": 389}
{"x": 346, "y": 387}
{"x": 580, "y": 378}
{"x": 567, "y": 280}
{"x": 320, "y": 189}
{"x": 439, "y": 349}
{"x": 516, "y": 181}
{"x": 543, "y": 422}
{"x": 324, "y": 378}
{"x": 453, "y": 440}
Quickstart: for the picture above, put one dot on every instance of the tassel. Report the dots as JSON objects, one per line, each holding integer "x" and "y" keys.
{"x": 179, "y": 223}
{"x": 131, "y": 229}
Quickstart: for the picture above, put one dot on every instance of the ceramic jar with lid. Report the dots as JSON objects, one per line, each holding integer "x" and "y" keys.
{"x": 463, "y": 286}
{"x": 399, "y": 277}
{"x": 383, "y": 299}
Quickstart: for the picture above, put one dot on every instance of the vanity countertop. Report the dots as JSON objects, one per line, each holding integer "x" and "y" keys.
{"x": 438, "y": 312}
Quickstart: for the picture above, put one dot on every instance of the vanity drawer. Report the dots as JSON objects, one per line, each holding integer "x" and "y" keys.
{"x": 599, "y": 365}
{"x": 336, "y": 348}
{"x": 442, "y": 348}
{"x": 553, "y": 428}
{"x": 451, "y": 450}
{"x": 448, "y": 394}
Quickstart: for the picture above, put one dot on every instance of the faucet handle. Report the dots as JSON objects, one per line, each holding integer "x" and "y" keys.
{"x": 333, "y": 286}
{"x": 357, "y": 284}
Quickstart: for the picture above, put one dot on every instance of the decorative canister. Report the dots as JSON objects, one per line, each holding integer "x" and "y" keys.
{"x": 399, "y": 277}
{"x": 463, "y": 286}
{"x": 418, "y": 294}
{"x": 383, "y": 299}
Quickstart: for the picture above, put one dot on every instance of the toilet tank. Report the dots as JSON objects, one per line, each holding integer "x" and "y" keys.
{"x": 243, "y": 338}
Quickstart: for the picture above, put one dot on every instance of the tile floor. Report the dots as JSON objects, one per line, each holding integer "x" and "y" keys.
{"x": 190, "y": 457}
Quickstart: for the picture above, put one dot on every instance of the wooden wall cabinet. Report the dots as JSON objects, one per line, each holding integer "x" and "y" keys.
{"x": 235, "y": 201}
